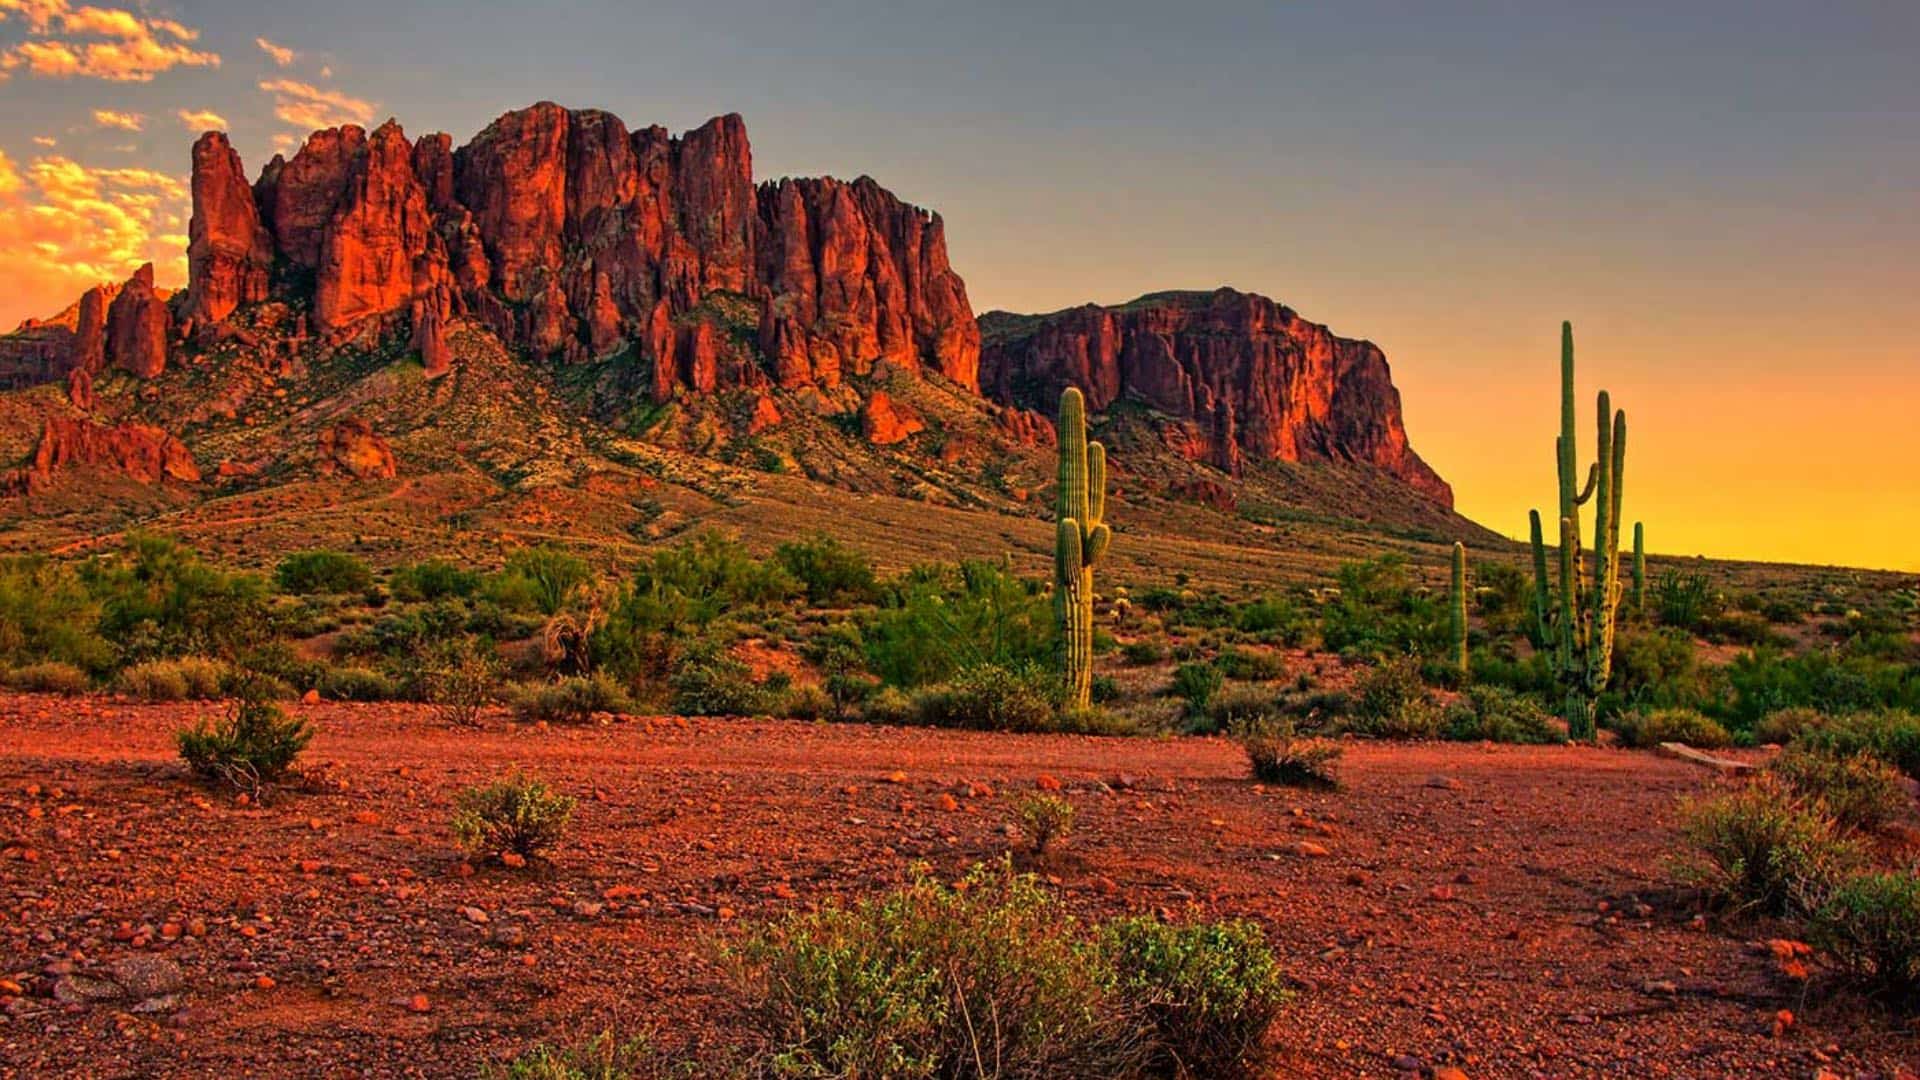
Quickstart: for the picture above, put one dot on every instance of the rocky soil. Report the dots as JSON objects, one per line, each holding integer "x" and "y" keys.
{"x": 1493, "y": 910}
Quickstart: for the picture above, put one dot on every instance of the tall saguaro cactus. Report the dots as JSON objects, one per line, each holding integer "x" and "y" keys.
{"x": 1578, "y": 618}
{"x": 1457, "y": 607}
{"x": 1081, "y": 537}
{"x": 1639, "y": 569}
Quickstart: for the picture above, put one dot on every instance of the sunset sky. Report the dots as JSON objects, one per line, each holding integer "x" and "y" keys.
{"x": 1723, "y": 195}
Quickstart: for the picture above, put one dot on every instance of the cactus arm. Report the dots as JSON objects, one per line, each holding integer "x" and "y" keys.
{"x": 1639, "y": 568}
{"x": 1593, "y": 476}
{"x": 1096, "y": 545}
{"x": 1542, "y": 590}
{"x": 1096, "y": 485}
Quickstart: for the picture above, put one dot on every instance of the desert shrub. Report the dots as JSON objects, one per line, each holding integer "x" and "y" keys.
{"x": 1391, "y": 702}
{"x": 1276, "y": 754}
{"x": 255, "y": 744}
{"x": 831, "y": 572}
{"x": 710, "y": 682}
{"x": 1503, "y": 598}
{"x": 459, "y": 679}
{"x": 1859, "y": 790}
{"x": 191, "y": 678}
{"x": 1781, "y": 726}
{"x": 158, "y": 599}
{"x": 48, "y": 677}
{"x": 888, "y": 705}
{"x": 993, "y": 979}
{"x": 1043, "y": 819}
{"x": 807, "y": 701}
{"x": 1646, "y": 730}
{"x": 304, "y": 573}
{"x": 47, "y": 614}
{"x": 572, "y": 700}
{"x": 1210, "y": 992}
{"x": 1658, "y": 667}
{"x": 938, "y": 620}
{"x": 1235, "y": 708}
{"x": 542, "y": 577}
{"x": 517, "y": 813}
{"x": 1275, "y": 618}
{"x": 356, "y": 684}
{"x": 1871, "y": 925}
{"x": 433, "y": 580}
{"x": 1251, "y": 665}
{"x": 605, "y": 1056}
{"x": 1196, "y": 684}
{"x": 1496, "y": 714}
{"x": 990, "y": 697}
{"x": 1682, "y": 600}
{"x": 675, "y": 596}
{"x": 1893, "y": 737}
{"x": 1831, "y": 680}
{"x": 1381, "y": 611}
{"x": 1143, "y": 652}
{"x": 1763, "y": 847}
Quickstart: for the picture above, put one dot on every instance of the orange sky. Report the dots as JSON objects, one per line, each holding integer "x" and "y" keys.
{"x": 1720, "y": 196}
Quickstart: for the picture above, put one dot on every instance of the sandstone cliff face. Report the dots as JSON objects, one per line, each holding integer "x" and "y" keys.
{"x": 139, "y": 451}
{"x": 1247, "y": 375}
{"x": 138, "y": 327}
{"x": 569, "y": 235}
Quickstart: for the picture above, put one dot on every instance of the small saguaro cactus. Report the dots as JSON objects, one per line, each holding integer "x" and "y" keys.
{"x": 1457, "y": 607}
{"x": 1080, "y": 539}
{"x": 1639, "y": 569}
{"x": 1578, "y": 618}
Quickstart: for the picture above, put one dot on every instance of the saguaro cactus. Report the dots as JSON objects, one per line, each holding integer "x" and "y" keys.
{"x": 1577, "y": 620}
{"x": 1639, "y": 569}
{"x": 1457, "y": 606}
{"x": 1080, "y": 540}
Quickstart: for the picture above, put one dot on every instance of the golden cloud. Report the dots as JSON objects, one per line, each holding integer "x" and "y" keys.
{"x": 202, "y": 119}
{"x": 124, "y": 121}
{"x": 65, "y": 227}
{"x": 98, "y": 43}
{"x": 309, "y": 107}
{"x": 282, "y": 56}
{"x": 45, "y": 140}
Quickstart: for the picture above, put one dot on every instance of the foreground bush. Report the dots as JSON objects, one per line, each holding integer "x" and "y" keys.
{"x": 519, "y": 814}
{"x": 1209, "y": 991}
{"x": 47, "y": 615}
{"x": 356, "y": 684}
{"x": 255, "y": 744}
{"x": 989, "y": 697}
{"x": 459, "y": 681}
{"x": 1043, "y": 819}
{"x": 994, "y": 979}
{"x": 1859, "y": 790}
{"x": 603, "y": 1057}
{"x": 1276, "y": 755}
{"x": 710, "y": 682}
{"x": 573, "y": 700}
{"x": 1646, "y": 730}
{"x": 1891, "y": 736}
{"x": 1392, "y": 702}
{"x": 1763, "y": 847}
{"x": 1497, "y": 714}
{"x": 1871, "y": 925}
{"x": 51, "y": 677}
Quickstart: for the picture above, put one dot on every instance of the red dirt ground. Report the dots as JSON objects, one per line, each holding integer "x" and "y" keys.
{"x": 1480, "y": 907}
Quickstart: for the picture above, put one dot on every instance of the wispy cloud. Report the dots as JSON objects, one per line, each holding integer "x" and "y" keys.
{"x": 107, "y": 118}
{"x": 113, "y": 44}
{"x": 309, "y": 107}
{"x": 46, "y": 141}
{"x": 281, "y": 55}
{"x": 202, "y": 119}
{"x": 66, "y": 226}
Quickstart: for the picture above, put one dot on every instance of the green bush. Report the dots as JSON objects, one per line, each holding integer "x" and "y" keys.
{"x": 938, "y": 620}
{"x": 1380, "y": 611}
{"x": 806, "y": 701}
{"x": 602, "y": 1057}
{"x": 1859, "y": 790}
{"x": 888, "y": 705}
{"x": 1391, "y": 702}
{"x": 158, "y": 599}
{"x": 542, "y": 577}
{"x": 459, "y": 679}
{"x": 1763, "y": 847}
{"x": 1196, "y": 684}
{"x": 1682, "y": 600}
{"x": 712, "y": 683}
{"x": 1043, "y": 819}
{"x": 1646, "y": 730}
{"x": 1235, "y": 708}
{"x": 1781, "y": 726}
{"x": 573, "y": 700}
{"x": 831, "y": 572}
{"x": 1251, "y": 665}
{"x": 993, "y": 979}
{"x": 1871, "y": 926}
{"x": 518, "y": 813}
{"x": 1496, "y": 714}
{"x": 1210, "y": 992}
{"x": 675, "y": 597}
{"x": 1278, "y": 755}
{"x": 989, "y": 697}
{"x": 304, "y": 573}
{"x": 49, "y": 677}
{"x": 1893, "y": 737}
{"x": 255, "y": 744}
{"x": 356, "y": 684}
{"x": 48, "y": 615}
{"x": 1143, "y": 652}
{"x": 433, "y": 580}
